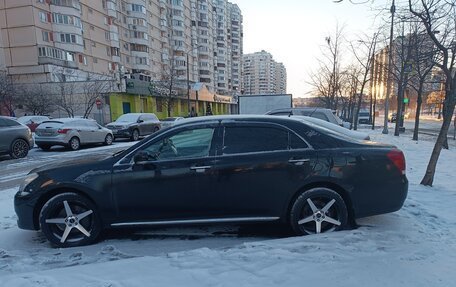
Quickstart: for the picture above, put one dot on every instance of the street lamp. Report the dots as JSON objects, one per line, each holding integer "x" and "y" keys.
{"x": 390, "y": 64}
{"x": 188, "y": 77}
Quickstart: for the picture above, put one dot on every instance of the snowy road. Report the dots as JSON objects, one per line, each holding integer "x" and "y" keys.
{"x": 412, "y": 247}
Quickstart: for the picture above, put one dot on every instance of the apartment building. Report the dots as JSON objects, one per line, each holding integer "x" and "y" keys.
{"x": 263, "y": 75}
{"x": 55, "y": 41}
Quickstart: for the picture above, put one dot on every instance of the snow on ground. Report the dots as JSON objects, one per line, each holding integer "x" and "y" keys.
{"x": 415, "y": 246}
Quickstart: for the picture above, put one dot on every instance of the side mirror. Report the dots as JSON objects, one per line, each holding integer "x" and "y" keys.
{"x": 143, "y": 157}
{"x": 140, "y": 121}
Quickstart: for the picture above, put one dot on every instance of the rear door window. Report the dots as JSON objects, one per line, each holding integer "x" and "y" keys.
{"x": 246, "y": 139}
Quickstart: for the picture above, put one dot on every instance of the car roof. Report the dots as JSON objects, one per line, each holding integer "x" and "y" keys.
{"x": 300, "y": 109}
{"x": 239, "y": 118}
{"x": 67, "y": 120}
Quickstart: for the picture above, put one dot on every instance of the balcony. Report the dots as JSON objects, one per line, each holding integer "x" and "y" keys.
{"x": 112, "y": 9}
{"x": 52, "y": 61}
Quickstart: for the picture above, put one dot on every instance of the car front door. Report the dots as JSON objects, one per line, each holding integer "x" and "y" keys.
{"x": 169, "y": 177}
{"x": 259, "y": 168}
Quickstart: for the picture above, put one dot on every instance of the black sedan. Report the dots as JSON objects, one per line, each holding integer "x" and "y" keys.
{"x": 218, "y": 169}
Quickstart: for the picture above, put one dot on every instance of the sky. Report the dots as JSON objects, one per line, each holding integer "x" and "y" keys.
{"x": 294, "y": 31}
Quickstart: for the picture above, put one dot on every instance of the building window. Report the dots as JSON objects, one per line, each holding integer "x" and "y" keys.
{"x": 50, "y": 52}
{"x": 46, "y": 37}
{"x": 43, "y": 17}
{"x": 95, "y": 60}
{"x": 138, "y": 8}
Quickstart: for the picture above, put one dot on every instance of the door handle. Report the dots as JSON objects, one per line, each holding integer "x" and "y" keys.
{"x": 200, "y": 168}
{"x": 299, "y": 161}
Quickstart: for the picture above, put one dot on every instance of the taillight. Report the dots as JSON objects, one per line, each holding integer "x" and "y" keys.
{"x": 397, "y": 158}
{"x": 63, "y": 131}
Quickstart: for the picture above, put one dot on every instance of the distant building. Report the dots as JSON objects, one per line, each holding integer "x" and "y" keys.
{"x": 263, "y": 75}
{"x": 48, "y": 42}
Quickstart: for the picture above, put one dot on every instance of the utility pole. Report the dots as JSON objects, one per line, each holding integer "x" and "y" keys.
{"x": 390, "y": 63}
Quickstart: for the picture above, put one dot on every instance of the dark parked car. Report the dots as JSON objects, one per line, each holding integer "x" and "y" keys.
{"x": 15, "y": 138}
{"x": 134, "y": 125}
{"x": 217, "y": 169}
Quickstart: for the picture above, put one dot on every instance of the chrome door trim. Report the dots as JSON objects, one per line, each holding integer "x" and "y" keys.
{"x": 196, "y": 221}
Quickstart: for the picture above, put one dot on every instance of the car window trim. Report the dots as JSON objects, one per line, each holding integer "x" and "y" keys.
{"x": 213, "y": 124}
{"x": 246, "y": 123}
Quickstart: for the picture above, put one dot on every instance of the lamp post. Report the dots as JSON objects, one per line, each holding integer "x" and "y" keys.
{"x": 188, "y": 77}
{"x": 390, "y": 63}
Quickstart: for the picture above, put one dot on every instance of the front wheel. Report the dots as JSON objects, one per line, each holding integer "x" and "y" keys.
{"x": 318, "y": 210}
{"x": 19, "y": 149}
{"x": 69, "y": 220}
{"x": 135, "y": 135}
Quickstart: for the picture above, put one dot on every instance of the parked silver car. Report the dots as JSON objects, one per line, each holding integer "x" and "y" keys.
{"x": 168, "y": 122}
{"x": 319, "y": 113}
{"x": 15, "y": 138}
{"x": 134, "y": 125}
{"x": 71, "y": 132}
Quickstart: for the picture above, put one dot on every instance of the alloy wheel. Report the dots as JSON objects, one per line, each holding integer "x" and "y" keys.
{"x": 19, "y": 148}
{"x": 74, "y": 143}
{"x": 108, "y": 139}
{"x": 69, "y": 220}
{"x": 317, "y": 211}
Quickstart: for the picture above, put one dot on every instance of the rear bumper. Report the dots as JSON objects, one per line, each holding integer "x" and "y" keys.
{"x": 392, "y": 199}
{"x": 51, "y": 141}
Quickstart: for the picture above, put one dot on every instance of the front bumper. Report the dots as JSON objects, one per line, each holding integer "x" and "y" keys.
{"x": 125, "y": 133}
{"x": 24, "y": 208}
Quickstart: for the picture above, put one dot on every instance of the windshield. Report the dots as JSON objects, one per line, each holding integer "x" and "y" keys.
{"x": 128, "y": 118}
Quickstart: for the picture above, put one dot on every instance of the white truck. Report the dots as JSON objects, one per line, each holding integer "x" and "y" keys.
{"x": 261, "y": 104}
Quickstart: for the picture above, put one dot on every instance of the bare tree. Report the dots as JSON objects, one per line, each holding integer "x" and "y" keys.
{"x": 165, "y": 88}
{"x": 7, "y": 93}
{"x": 37, "y": 99}
{"x": 423, "y": 53}
{"x": 94, "y": 89}
{"x": 438, "y": 17}
{"x": 365, "y": 58}
{"x": 326, "y": 80}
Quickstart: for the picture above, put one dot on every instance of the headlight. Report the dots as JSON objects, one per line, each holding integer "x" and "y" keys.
{"x": 31, "y": 177}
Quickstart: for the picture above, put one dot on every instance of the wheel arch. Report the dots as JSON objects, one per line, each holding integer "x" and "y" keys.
{"x": 50, "y": 194}
{"x": 323, "y": 184}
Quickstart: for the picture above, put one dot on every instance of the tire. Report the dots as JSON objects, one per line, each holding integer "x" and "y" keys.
{"x": 329, "y": 212}
{"x": 74, "y": 143}
{"x": 156, "y": 129}
{"x": 44, "y": 147}
{"x": 135, "y": 135}
{"x": 19, "y": 148}
{"x": 56, "y": 221}
{"x": 108, "y": 139}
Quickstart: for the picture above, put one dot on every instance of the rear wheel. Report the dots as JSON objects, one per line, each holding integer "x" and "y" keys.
{"x": 74, "y": 143}
{"x": 318, "y": 210}
{"x": 69, "y": 219}
{"x": 135, "y": 135}
{"x": 19, "y": 148}
{"x": 108, "y": 139}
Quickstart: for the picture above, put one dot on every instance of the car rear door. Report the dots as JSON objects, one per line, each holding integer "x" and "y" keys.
{"x": 175, "y": 185}
{"x": 259, "y": 168}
